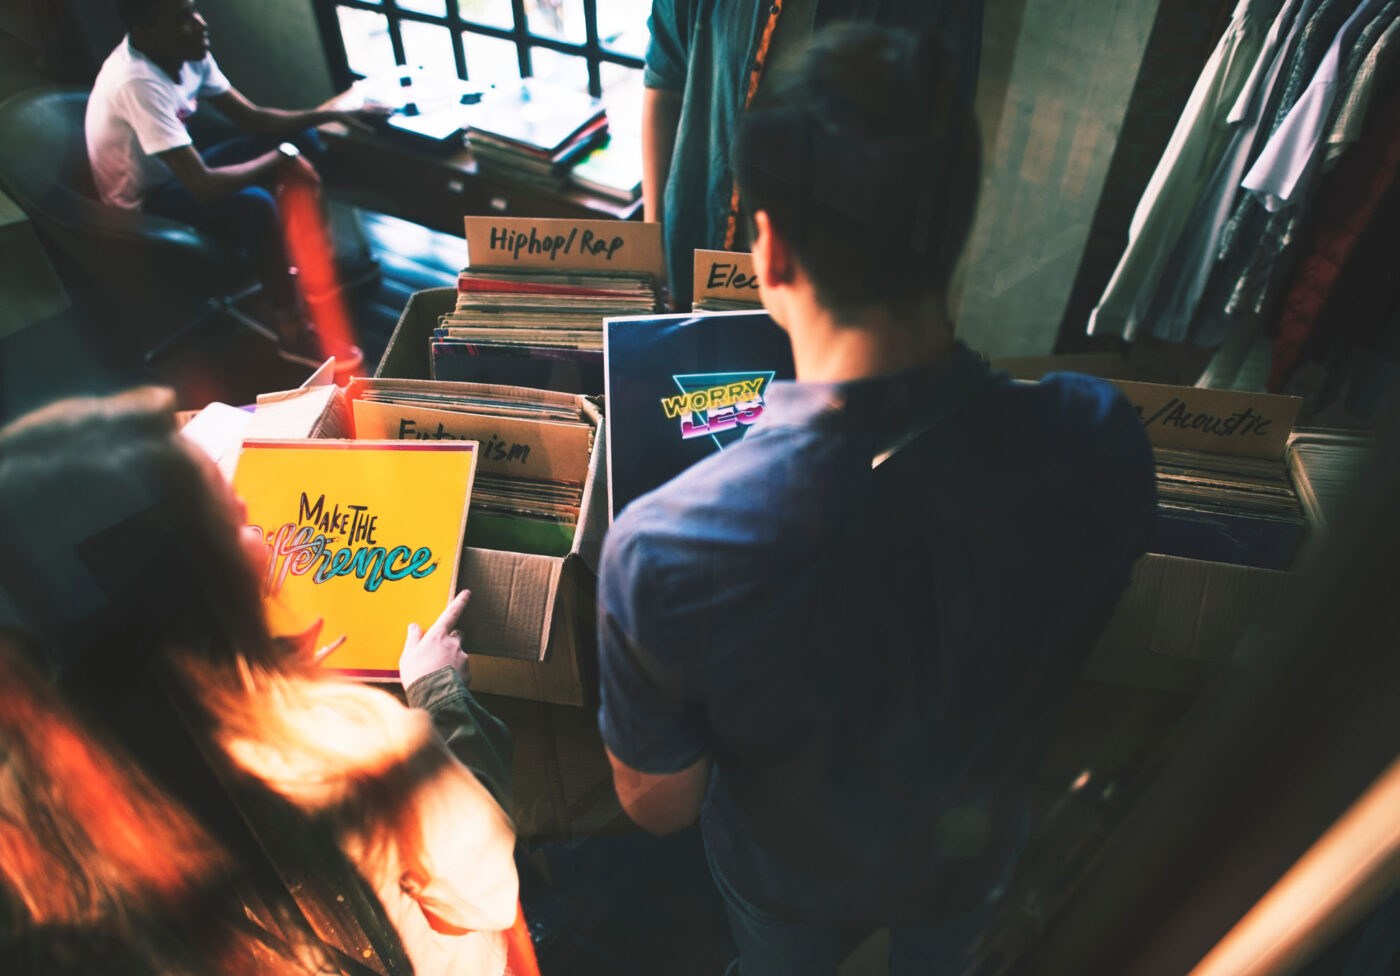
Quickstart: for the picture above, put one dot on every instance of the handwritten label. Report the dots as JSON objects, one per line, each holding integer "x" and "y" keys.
{"x": 509, "y": 446}
{"x": 565, "y": 245}
{"x": 725, "y": 274}
{"x": 1217, "y": 421}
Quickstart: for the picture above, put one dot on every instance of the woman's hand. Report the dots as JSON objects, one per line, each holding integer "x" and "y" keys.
{"x": 440, "y": 647}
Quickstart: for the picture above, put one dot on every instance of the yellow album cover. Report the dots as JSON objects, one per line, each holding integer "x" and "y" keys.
{"x": 365, "y": 535}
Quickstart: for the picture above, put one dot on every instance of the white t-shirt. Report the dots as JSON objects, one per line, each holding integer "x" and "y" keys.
{"x": 136, "y": 111}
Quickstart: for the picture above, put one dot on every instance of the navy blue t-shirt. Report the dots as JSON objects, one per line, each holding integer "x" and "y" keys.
{"x": 869, "y": 653}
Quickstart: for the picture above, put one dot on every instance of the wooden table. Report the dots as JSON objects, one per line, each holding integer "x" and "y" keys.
{"x": 384, "y": 174}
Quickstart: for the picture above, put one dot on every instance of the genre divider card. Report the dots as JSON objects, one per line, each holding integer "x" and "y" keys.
{"x": 680, "y": 388}
{"x": 364, "y": 534}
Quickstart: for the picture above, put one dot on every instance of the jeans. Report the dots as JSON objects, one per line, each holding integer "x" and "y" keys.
{"x": 770, "y": 945}
{"x": 773, "y": 946}
{"x": 248, "y": 219}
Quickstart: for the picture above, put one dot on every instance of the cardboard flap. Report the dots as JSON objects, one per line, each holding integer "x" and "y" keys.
{"x": 1215, "y": 421}
{"x": 565, "y": 245}
{"x": 512, "y": 604}
{"x": 510, "y": 446}
{"x": 725, "y": 274}
{"x": 593, "y": 510}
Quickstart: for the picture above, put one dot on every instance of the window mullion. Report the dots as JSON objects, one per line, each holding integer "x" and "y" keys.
{"x": 592, "y": 48}
{"x": 333, "y": 44}
{"x": 454, "y": 25}
{"x": 522, "y": 37}
{"x": 391, "y": 13}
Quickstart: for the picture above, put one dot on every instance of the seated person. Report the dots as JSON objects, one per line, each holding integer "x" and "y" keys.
{"x": 143, "y": 158}
{"x": 153, "y": 596}
{"x": 844, "y": 636}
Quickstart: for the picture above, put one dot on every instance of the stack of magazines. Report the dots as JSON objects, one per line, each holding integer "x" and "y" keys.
{"x": 533, "y": 132}
{"x": 540, "y": 329}
{"x": 1227, "y": 509}
{"x": 612, "y": 169}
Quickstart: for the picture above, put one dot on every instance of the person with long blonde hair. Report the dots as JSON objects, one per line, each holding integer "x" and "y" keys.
{"x": 190, "y": 793}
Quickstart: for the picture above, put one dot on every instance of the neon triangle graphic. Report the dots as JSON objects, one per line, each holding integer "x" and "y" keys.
{"x": 694, "y": 382}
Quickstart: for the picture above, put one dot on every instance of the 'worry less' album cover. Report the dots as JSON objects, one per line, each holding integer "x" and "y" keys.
{"x": 680, "y": 387}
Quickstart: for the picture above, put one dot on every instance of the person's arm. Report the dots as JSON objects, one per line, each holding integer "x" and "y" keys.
{"x": 661, "y": 803}
{"x": 210, "y": 183}
{"x": 654, "y": 730}
{"x": 260, "y": 121}
{"x": 475, "y": 737}
{"x": 435, "y": 674}
{"x": 667, "y": 66}
{"x": 661, "y": 113}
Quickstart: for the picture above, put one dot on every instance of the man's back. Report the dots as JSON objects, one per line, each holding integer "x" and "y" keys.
{"x": 858, "y": 646}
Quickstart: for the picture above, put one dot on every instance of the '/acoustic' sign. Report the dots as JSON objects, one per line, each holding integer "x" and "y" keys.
{"x": 1218, "y": 421}
{"x": 565, "y": 245}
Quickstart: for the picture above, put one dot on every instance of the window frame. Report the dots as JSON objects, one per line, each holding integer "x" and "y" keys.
{"x": 591, "y": 50}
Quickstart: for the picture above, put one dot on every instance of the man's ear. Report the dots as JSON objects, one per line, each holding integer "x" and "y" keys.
{"x": 773, "y": 260}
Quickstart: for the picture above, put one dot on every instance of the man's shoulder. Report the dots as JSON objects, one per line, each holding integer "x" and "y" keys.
{"x": 1071, "y": 407}
{"x": 131, "y": 82}
{"x": 743, "y": 494}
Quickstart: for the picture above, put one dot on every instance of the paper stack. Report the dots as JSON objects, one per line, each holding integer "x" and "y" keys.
{"x": 535, "y": 328}
{"x": 532, "y": 132}
{"x": 613, "y": 170}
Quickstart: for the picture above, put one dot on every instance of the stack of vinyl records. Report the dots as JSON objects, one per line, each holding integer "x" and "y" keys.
{"x": 612, "y": 169}
{"x": 533, "y": 132}
{"x": 1327, "y": 466}
{"x": 539, "y": 329}
{"x": 1226, "y": 509}
{"x": 534, "y": 455}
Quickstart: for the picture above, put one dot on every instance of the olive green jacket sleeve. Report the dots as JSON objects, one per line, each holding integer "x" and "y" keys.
{"x": 475, "y": 737}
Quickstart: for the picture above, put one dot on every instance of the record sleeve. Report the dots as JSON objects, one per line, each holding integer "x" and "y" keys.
{"x": 681, "y": 387}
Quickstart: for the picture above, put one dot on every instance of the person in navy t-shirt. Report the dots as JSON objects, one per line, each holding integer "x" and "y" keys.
{"x": 840, "y": 640}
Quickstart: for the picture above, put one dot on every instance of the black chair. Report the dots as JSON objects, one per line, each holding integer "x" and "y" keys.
{"x": 163, "y": 263}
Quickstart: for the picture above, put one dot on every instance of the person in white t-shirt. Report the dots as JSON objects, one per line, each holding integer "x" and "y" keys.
{"x": 143, "y": 158}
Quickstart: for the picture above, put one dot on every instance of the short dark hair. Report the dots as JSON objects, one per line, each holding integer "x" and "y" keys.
{"x": 862, "y": 148}
{"x": 138, "y": 13}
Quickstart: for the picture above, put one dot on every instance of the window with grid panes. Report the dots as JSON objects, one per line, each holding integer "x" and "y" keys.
{"x": 591, "y": 45}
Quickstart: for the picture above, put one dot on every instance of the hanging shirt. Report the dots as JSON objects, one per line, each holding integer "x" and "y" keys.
{"x": 1254, "y": 239}
{"x": 1178, "y": 293}
{"x": 1280, "y": 174}
{"x": 1200, "y": 138}
{"x": 135, "y": 111}
{"x": 1347, "y": 129}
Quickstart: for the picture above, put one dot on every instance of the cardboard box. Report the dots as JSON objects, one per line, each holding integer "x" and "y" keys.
{"x": 536, "y": 613}
{"x": 1180, "y": 619}
{"x": 556, "y": 608}
{"x": 407, "y": 356}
